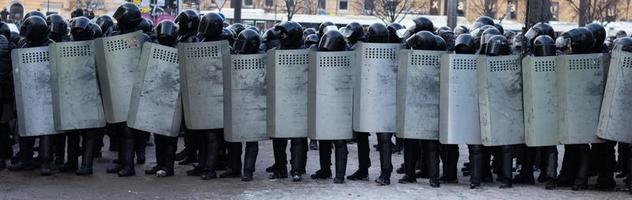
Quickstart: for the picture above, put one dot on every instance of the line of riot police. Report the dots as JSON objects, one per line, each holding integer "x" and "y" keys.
{"x": 222, "y": 85}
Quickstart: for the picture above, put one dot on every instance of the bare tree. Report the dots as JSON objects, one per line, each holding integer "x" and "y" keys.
{"x": 213, "y": 4}
{"x": 603, "y": 11}
{"x": 310, "y": 7}
{"x": 485, "y": 7}
{"x": 292, "y": 7}
{"x": 390, "y": 11}
{"x": 86, "y": 4}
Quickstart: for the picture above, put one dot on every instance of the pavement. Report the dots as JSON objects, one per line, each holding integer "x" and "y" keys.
{"x": 29, "y": 185}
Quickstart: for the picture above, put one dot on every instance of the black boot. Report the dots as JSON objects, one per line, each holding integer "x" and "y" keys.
{"x": 140, "y": 145}
{"x": 567, "y": 171}
{"x": 476, "y": 159}
{"x": 526, "y": 172}
{"x": 116, "y": 132}
{"x": 210, "y": 155}
{"x": 411, "y": 156}
{"x": 399, "y": 145}
{"x": 606, "y": 160}
{"x": 450, "y": 158}
{"x": 507, "y": 164}
{"x": 45, "y": 154}
{"x": 431, "y": 154}
{"x": 128, "y": 151}
{"x": 202, "y": 145}
{"x": 364, "y": 162}
{"x": 6, "y": 147}
{"x": 25, "y": 155}
{"x": 583, "y": 164}
{"x": 73, "y": 152}
{"x": 386, "y": 148}
{"x": 222, "y": 151}
{"x": 298, "y": 151}
{"x": 324, "y": 152}
{"x": 160, "y": 155}
{"x": 279, "y": 168}
{"x": 169, "y": 156}
{"x": 234, "y": 160}
{"x": 89, "y": 146}
{"x": 551, "y": 166}
{"x": 341, "y": 160}
{"x": 250, "y": 159}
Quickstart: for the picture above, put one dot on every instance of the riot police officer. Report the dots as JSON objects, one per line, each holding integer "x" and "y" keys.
{"x": 128, "y": 19}
{"x": 291, "y": 37}
{"x": 271, "y": 39}
{"x": 34, "y": 31}
{"x": 6, "y": 91}
{"x": 106, "y": 23}
{"x": 311, "y": 41}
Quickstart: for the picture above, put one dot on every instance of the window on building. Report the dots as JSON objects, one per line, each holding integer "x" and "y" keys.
{"x": 248, "y": 3}
{"x": 460, "y": 8}
{"x": 322, "y": 4}
{"x": 269, "y": 3}
{"x": 555, "y": 11}
{"x": 369, "y": 6}
{"x": 343, "y": 4}
{"x": 611, "y": 12}
{"x": 434, "y": 7}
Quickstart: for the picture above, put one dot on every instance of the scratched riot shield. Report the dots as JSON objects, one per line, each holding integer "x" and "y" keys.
{"x": 202, "y": 83}
{"x": 580, "y": 84}
{"x": 374, "y": 87}
{"x": 459, "y": 113}
{"x": 155, "y": 106}
{"x": 330, "y": 95}
{"x": 418, "y": 94}
{"x": 117, "y": 65}
{"x": 33, "y": 93}
{"x": 541, "y": 111}
{"x": 245, "y": 98}
{"x": 615, "y": 119}
{"x": 500, "y": 100}
{"x": 75, "y": 88}
{"x": 286, "y": 77}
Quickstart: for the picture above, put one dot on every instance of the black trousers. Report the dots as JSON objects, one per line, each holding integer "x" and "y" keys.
{"x": 341, "y": 154}
{"x": 298, "y": 154}
{"x": 430, "y": 150}
{"x": 250, "y": 157}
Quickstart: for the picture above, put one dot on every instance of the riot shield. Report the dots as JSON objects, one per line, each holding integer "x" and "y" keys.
{"x": 330, "y": 95}
{"x": 459, "y": 115}
{"x": 541, "y": 111}
{"x": 202, "y": 83}
{"x": 117, "y": 65}
{"x": 245, "y": 99}
{"x": 500, "y": 100}
{"x": 616, "y": 109}
{"x": 155, "y": 106}
{"x": 580, "y": 84}
{"x": 418, "y": 94}
{"x": 286, "y": 76}
{"x": 75, "y": 88}
{"x": 374, "y": 87}
{"x": 33, "y": 93}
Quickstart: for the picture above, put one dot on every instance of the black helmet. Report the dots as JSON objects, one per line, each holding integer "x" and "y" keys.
{"x": 537, "y": 30}
{"x": 80, "y": 29}
{"x": 237, "y": 28}
{"x": 225, "y": 24}
{"x": 58, "y": 27}
{"x": 271, "y": 38}
{"x": 509, "y": 35}
{"x": 485, "y": 36}
{"x": 77, "y": 13}
{"x": 482, "y": 21}
{"x": 621, "y": 34}
{"x": 211, "y": 26}
{"x": 311, "y": 39}
{"x": 96, "y": 30}
{"x": 440, "y": 43}
{"x": 423, "y": 24}
{"x": 226, "y": 34}
{"x": 147, "y": 26}
{"x": 624, "y": 43}
{"x": 478, "y": 33}
{"x": 254, "y": 28}
{"x": 353, "y": 32}
{"x": 188, "y": 21}
{"x": 448, "y": 36}
{"x": 127, "y": 17}
{"x": 167, "y": 33}
{"x": 460, "y": 30}
{"x": 394, "y": 35}
{"x": 105, "y": 22}
{"x": 497, "y": 45}
{"x": 599, "y": 34}
{"x": 464, "y": 44}
{"x": 308, "y": 31}
{"x": 576, "y": 41}
{"x": 34, "y": 29}
{"x": 33, "y": 13}
{"x": 422, "y": 40}
{"x": 5, "y": 30}
{"x": 377, "y": 33}
{"x": 322, "y": 26}
{"x": 544, "y": 45}
{"x": 291, "y": 34}
{"x": 500, "y": 28}
{"x": 247, "y": 42}
{"x": 332, "y": 40}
